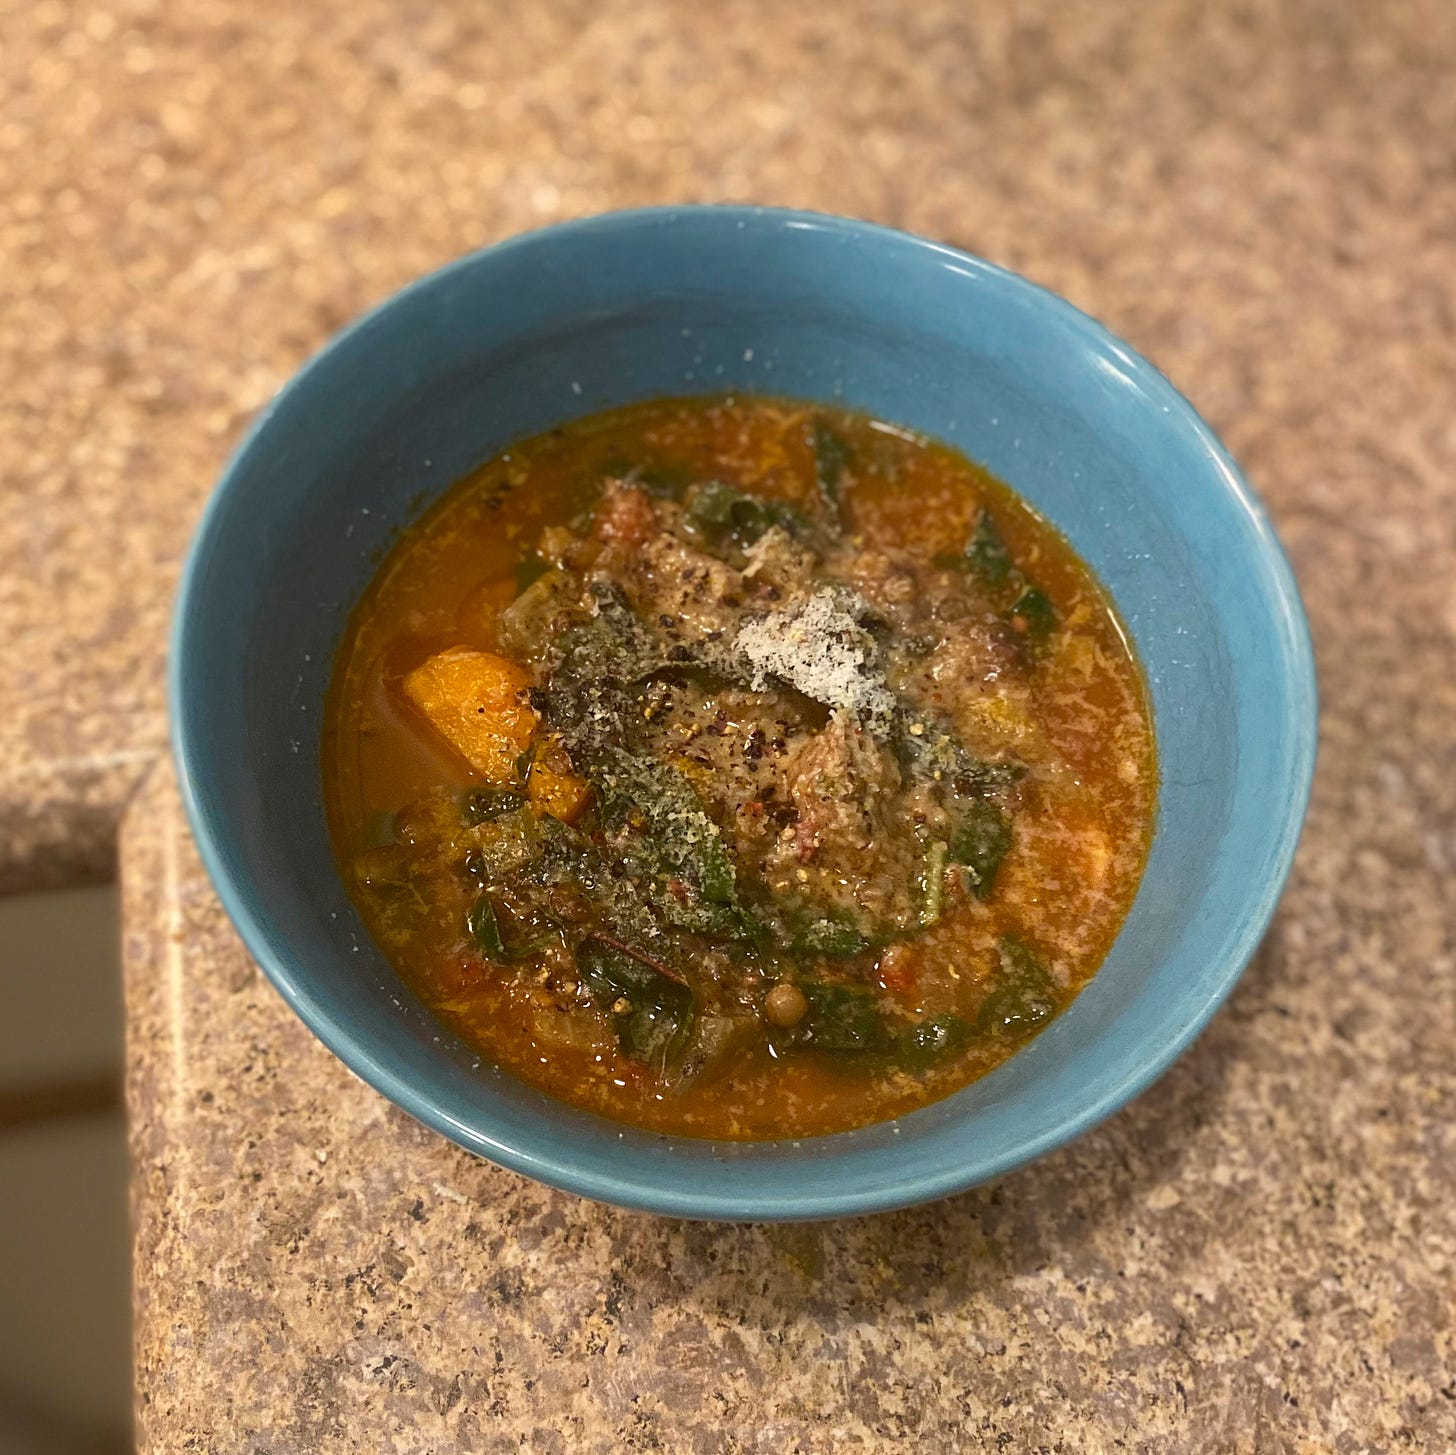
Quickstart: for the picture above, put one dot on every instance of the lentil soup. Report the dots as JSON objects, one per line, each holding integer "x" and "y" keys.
{"x": 739, "y": 767}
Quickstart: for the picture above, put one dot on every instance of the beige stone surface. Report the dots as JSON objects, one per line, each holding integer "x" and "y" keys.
{"x": 1257, "y": 1256}
{"x": 196, "y": 195}
{"x": 1254, "y": 1257}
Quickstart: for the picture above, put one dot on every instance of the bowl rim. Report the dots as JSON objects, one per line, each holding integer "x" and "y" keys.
{"x": 623, "y": 1188}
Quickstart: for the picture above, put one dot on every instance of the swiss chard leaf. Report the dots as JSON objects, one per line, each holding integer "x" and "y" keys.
{"x": 1033, "y": 614}
{"x": 986, "y": 555}
{"x": 503, "y": 845}
{"x": 567, "y": 855}
{"x": 530, "y": 569}
{"x": 979, "y": 843}
{"x": 604, "y": 662}
{"x": 655, "y": 1034}
{"x": 684, "y": 836}
{"x": 1022, "y": 1000}
{"x": 591, "y": 691}
{"x": 979, "y": 775}
{"x": 611, "y": 644}
{"x": 485, "y": 805}
{"x": 715, "y": 921}
{"x": 492, "y": 936}
{"x": 828, "y": 939}
{"x": 927, "y": 748}
{"x": 664, "y": 479}
{"x": 484, "y": 928}
{"x": 723, "y": 513}
{"x": 921, "y": 1046}
{"x": 658, "y": 1017}
{"x": 832, "y": 452}
{"x": 639, "y": 903}
{"x": 841, "y": 1019}
{"x": 610, "y": 974}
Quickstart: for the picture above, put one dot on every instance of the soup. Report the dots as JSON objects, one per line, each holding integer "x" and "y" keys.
{"x": 739, "y": 768}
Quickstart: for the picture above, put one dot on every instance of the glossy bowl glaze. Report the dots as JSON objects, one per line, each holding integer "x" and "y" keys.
{"x": 613, "y": 309}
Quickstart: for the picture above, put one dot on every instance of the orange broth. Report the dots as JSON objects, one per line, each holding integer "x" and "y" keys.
{"x": 1069, "y": 715}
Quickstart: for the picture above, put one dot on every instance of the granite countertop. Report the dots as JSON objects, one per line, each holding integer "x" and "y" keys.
{"x": 1257, "y": 1255}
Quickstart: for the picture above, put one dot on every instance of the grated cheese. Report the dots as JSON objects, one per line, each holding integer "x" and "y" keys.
{"x": 818, "y": 646}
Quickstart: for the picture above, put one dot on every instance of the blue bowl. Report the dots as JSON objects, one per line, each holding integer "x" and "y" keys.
{"x": 638, "y": 305}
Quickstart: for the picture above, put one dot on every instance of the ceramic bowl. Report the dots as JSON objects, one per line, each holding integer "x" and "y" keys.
{"x": 631, "y": 306}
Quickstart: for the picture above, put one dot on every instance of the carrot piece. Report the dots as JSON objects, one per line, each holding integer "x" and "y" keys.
{"x": 476, "y": 701}
{"x": 562, "y": 795}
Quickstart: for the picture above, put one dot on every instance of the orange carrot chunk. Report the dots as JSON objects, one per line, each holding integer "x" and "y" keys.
{"x": 477, "y": 702}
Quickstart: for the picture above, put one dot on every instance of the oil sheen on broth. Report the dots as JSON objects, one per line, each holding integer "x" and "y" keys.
{"x": 739, "y": 767}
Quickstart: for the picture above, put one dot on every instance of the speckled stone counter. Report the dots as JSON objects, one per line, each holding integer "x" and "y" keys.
{"x": 196, "y": 195}
{"x": 1255, "y": 1257}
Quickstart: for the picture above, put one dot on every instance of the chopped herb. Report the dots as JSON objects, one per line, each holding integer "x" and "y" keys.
{"x": 979, "y": 844}
{"x": 921, "y": 1046}
{"x": 840, "y": 1019}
